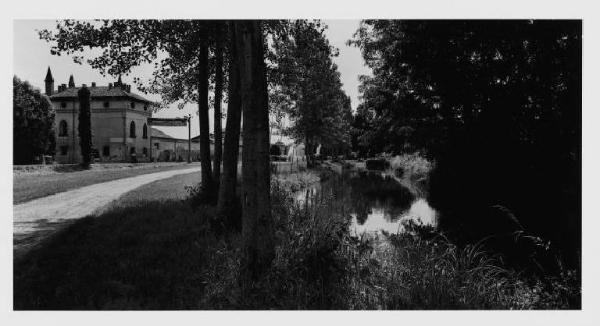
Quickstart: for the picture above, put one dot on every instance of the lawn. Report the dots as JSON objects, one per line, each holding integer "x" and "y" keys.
{"x": 173, "y": 188}
{"x": 27, "y": 187}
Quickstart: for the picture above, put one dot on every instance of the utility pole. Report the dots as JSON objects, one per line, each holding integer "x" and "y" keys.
{"x": 189, "y": 138}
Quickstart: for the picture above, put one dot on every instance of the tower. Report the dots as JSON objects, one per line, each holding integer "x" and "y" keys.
{"x": 49, "y": 81}
{"x": 119, "y": 82}
{"x": 71, "y": 81}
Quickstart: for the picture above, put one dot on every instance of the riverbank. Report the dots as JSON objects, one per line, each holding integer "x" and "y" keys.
{"x": 296, "y": 181}
{"x": 164, "y": 254}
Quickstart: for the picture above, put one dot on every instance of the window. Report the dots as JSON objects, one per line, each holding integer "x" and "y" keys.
{"x": 146, "y": 107}
{"x": 132, "y": 150}
{"x": 132, "y": 105}
{"x": 145, "y": 151}
{"x": 145, "y": 131}
{"x": 132, "y": 130}
{"x": 63, "y": 104}
{"x": 156, "y": 145}
{"x": 106, "y": 104}
{"x": 106, "y": 151}
{"x": 62, "y": 128}
{"x": 64, "y": 150}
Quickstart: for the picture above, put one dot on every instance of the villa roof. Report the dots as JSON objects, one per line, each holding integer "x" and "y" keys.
{"x": 98, "y": 92}
{"x": 160, "y": 134}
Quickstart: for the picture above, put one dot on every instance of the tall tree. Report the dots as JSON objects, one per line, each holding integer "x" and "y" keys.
{"x": 227, "y": 189}
{"x": 217, "y": 128}
{"x": 203, "y": 112}
{"x": 33, "y": 123}
{"x": 310, "y": 90}
{"x": 257, "y": 224}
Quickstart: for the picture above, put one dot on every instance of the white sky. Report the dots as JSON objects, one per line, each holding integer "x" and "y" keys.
{"x": 32, "y": 57}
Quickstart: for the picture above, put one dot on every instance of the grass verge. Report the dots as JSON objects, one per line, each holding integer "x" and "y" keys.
{"x": 27, "y": 187}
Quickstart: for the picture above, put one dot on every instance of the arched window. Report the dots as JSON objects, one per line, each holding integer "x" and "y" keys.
{"x": 132, "y": 129}
{"x": 132, "y": 104}
{"x": 145, "y": 131}
{"x": 62, "y": 128}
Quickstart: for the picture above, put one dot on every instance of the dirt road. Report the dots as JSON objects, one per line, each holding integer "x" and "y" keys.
{"x": 35, "y": 219}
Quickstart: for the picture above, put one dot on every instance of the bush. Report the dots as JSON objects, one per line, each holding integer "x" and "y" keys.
{"x": 413, "y": 166}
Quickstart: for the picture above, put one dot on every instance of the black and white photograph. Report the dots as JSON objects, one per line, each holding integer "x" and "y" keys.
{"x": 245, "y": 162}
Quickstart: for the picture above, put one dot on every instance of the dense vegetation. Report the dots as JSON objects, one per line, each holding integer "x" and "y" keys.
{"x": 33, "y": 123}
{"x": 497, "y": 106}
{"x": 307, "y": 88}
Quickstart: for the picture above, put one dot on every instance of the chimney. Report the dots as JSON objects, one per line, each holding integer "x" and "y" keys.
{"x": 71, "y": 81}
{"x": 93, "y": 84}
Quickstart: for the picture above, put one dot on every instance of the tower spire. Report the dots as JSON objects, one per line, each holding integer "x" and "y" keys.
{"x": 49, "y": 82}
{"x": 49, "y": 77}
{"x": 71, "y": 81}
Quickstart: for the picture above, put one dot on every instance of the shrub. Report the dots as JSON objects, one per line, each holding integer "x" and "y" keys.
{"x": 414, "y": 166}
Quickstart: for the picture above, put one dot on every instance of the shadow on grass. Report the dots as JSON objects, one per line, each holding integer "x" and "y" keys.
{"x": 167, "y": 255}
{"x": 148, "y": 256}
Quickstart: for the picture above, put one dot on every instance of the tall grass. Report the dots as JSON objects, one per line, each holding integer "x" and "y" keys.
{"x": 167, "y": 255}
{"x": 412, "y": 168}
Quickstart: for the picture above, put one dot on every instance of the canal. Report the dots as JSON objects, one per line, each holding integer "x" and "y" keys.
{"x": 372, "y": 200}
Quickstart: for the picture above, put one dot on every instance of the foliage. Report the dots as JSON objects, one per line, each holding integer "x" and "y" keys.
{"x": 33, "y": 123}
{"x": 412, "y": 166}
{"x": 308, "y": 87}
{"x": 495, "y": 103}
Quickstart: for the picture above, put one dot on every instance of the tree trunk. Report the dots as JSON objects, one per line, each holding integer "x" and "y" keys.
{"x": 217, "y": 109}
{"x": 257, "y": 225}
{"x": 227, "y": 194}
{"x": 206, "y": 182}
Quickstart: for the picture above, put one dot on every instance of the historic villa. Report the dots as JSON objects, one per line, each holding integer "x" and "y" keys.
{"x": 120, "y": 128}
{"x": 119, "y": 121}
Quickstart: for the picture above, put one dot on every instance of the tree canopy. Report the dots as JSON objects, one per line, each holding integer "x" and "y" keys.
{"x": 495, "y": 103}
{"x": 308, "y": 87}
{"x": 33, "y": 123}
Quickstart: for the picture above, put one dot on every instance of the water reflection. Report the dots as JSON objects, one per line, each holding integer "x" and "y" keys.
{"x": 373, "y": 201}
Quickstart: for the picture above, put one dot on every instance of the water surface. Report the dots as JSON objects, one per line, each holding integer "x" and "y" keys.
{"x": 374, "y": 201}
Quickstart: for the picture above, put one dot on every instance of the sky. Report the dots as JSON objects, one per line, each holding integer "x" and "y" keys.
{"x": 32, "y": 58}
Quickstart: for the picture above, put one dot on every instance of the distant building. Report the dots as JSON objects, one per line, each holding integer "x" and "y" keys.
{"x": 119, "y": 121}
{"x": 166, "y": 148}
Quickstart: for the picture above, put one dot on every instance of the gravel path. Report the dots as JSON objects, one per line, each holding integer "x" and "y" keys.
{"x": 35, "y": 219}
